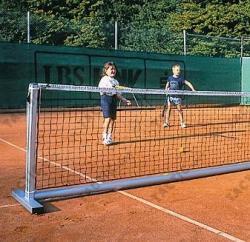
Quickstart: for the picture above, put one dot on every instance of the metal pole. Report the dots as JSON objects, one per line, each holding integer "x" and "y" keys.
{"x": 241, "y": 46}
{"x": 26, "y": 198}
{"x": 184, "y": 42}
{"x": 28, "y": 27}
{"x": 116, "y": 35}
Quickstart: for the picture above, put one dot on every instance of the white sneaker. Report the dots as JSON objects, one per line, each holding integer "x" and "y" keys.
{"x": 107, "y": 142}
{"x": 104, "y": 139}
{"x": 109, "y": 138}
{"x": 166, "y": 125}
{"x": 183, "y": 125}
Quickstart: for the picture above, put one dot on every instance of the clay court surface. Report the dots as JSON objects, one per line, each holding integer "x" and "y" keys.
{"x": 209, "y": 209}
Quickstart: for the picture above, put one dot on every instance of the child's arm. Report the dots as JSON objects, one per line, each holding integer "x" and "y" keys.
{"x": 123, "y": 99}
{"x": 189, "y": 85}
{"x": 167, "y": 86}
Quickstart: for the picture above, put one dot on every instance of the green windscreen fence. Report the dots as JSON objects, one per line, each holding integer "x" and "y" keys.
{"x": 21, "y": 64}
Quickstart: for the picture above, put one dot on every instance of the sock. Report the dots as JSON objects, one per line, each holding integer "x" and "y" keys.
{"x": 104, "y": 136}
{"x": 109, "y": 136}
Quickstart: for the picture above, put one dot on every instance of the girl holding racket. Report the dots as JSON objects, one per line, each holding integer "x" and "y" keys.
{"x": 109, "y": 101}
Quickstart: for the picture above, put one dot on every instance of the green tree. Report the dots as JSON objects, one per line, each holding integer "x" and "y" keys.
{"x": 217, "y": 17}
{"x": 79, "y": 23}
{"x": 13, "y": 23}
{"x": 220, "y": 18}
{"x": 69, "y": 22}
{"x": 150, "y": 29}
{"x": 143, "y": 25}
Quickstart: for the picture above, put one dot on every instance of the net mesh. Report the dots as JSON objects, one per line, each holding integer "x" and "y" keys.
{"x": 70, "y": 149}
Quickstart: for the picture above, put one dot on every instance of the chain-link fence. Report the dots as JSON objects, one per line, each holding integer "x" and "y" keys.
{"x": 137, "y": 36}
{"x": 216, "y": 46}
{"x": 99, "y": 33}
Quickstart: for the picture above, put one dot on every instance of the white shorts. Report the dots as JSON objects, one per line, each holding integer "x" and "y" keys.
{"x": 175, "y": 100}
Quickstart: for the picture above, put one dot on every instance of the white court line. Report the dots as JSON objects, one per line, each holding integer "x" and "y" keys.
{"x": 184, "y": 218}
{"x": 39, "y": 157}
{"x": 10, "y": 205}
{"x": 11, "y": 144}
{"x": 155, "y": 206}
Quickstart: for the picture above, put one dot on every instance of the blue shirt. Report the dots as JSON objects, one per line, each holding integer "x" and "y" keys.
{"x": 175, "y": 83}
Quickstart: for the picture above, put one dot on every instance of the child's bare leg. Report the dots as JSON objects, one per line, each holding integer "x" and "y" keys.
{"x": 183, "y": 125}
{"x": 168, "y": 114}
{"x": 110, "y": 131}
{"x": 106, "y": 125}
{"x": 166, "y": 124}
{"x": 111, "y": 126}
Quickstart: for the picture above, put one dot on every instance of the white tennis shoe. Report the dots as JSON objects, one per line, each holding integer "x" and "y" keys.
{"x": 107, "y": 139}
{"x": 183, "y": 125}
{"x": 166, "y": 125}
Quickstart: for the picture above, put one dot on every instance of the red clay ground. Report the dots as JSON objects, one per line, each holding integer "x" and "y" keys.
{"x": 220, "y": 202}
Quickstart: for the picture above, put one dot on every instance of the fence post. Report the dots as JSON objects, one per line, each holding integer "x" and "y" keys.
{"x": 116, "y": 35}
{"x": 184, "y": 42}
{"x": 28, "y": 27}
{"x": 241, "y": 47}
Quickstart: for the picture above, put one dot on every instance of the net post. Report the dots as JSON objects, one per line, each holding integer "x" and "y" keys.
{"x": 26, "y": 197}
{"x": 31, "y": 141}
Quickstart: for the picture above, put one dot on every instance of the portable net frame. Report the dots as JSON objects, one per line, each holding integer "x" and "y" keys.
{"x": 66, "y": 156}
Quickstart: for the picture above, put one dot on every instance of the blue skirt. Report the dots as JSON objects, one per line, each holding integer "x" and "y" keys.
{"x": 109, "y": 106}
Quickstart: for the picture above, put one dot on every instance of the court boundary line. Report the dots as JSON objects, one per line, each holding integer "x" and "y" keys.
{"x": 182, "y": 217}
{"x": 148, "y": 203}
{"x": 10, "y": 205}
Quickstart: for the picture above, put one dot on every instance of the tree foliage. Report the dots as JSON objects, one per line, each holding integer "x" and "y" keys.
{"x": 149, "y": 30}
{"x": 12, "y": 21}
{"x": 143, "y": 25}
{"x": 217, "y": 17}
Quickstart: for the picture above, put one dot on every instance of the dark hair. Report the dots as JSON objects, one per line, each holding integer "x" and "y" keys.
{"x": 106, "y": 66}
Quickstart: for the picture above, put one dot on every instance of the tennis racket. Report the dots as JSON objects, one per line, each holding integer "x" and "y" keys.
{"x": 118, "y": 87}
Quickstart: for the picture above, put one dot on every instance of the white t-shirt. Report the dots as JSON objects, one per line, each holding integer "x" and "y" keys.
{"x": 108, "y": 82}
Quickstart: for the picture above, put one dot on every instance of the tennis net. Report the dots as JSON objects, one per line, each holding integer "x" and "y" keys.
{"x": 69, "y": 149}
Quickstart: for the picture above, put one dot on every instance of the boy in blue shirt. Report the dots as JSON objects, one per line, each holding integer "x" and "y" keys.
{"x": 176, "y": 82}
